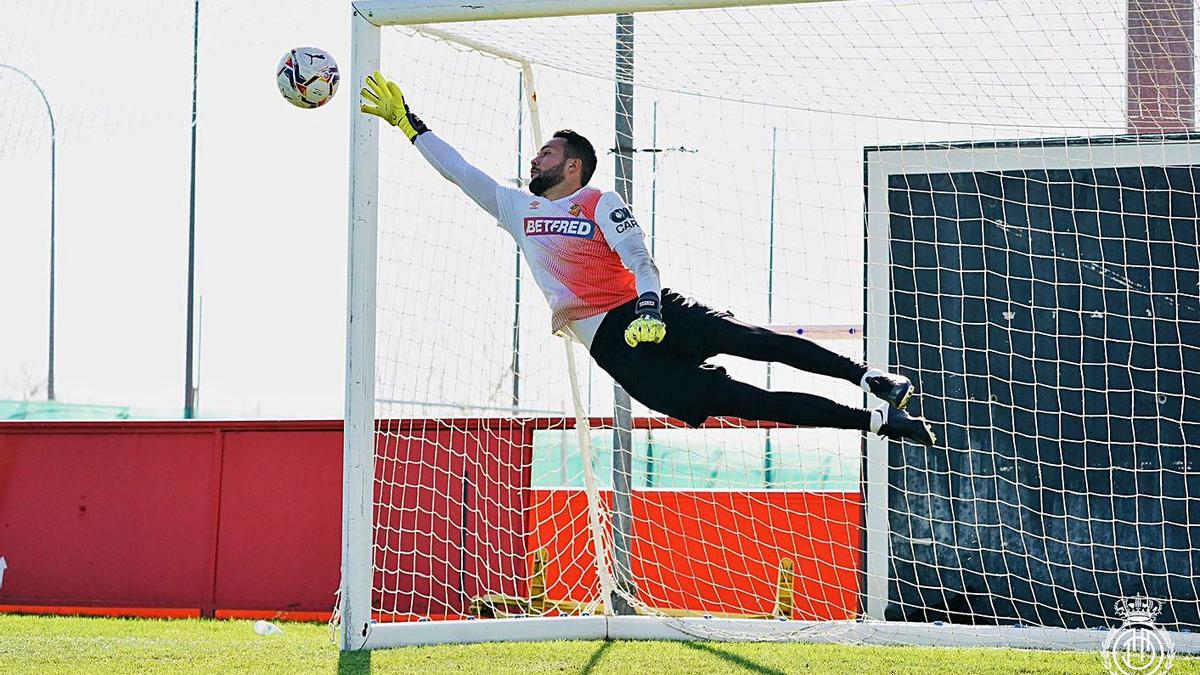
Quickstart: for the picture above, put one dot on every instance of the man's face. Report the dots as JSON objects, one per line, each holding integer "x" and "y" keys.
{"x": 548, "y": 168}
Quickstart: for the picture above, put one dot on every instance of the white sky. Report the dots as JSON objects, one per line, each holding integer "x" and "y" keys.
{"x": 270, "y": 215}
{"x": 271, "y": 179}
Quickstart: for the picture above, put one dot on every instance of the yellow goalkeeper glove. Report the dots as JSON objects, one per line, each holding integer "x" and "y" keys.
{"x": 648, "y": 326}
{"x": 389, "y": 106}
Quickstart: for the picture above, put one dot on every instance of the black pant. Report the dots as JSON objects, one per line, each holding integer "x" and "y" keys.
{"x": 673, "y": 377}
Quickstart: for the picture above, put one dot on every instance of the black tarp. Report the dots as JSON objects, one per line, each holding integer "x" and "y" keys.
{"x": 1051, "y": 320}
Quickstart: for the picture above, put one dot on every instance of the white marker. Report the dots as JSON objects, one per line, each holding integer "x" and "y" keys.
{"x": 3, "y": 566}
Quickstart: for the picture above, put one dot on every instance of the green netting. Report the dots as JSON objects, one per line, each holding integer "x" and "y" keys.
{"x": 53, "y": 410}
{"x": 729, "y": 459}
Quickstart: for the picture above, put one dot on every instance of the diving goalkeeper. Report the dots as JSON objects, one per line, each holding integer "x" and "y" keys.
{"x": 588, "y": 257}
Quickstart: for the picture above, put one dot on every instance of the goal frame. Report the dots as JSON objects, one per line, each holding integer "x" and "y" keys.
{"x": 368, "y": 17}
{"x": 359, "y": 631}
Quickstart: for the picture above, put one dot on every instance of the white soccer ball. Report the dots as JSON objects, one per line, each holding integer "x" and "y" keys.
{"x": 307, "y": 77}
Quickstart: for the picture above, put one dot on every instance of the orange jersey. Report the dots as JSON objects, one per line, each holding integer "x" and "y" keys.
{"x": 568, "y": 244}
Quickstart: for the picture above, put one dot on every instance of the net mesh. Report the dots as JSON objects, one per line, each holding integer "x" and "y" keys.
{"x": 1009, "y": 214}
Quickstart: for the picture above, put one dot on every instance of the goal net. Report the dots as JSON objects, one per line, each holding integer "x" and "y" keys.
{"x": 943, "y": 189}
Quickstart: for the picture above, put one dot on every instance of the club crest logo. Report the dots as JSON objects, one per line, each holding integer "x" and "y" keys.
{"x": 576, "y": 209}
{"x": 1139, "y": 646}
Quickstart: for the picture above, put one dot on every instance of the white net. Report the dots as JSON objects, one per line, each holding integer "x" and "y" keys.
{"x": 763, "y": 138}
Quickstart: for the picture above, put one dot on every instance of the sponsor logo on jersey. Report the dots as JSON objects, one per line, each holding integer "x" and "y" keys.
{"x": 534, "y": 204}
{"x": 568, "y": 227}
{"x": 576, "y": 209}
{"x": 624, "y": 220}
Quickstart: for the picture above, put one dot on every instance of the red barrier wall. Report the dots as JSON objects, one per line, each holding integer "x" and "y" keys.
{"x": 244, "y": 519}
{"x": 280, "y": 520}
{"x": 195, "y": 517}
{"x": 717, "y": 552}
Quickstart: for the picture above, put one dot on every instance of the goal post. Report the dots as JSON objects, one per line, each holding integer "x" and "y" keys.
{"x": 358, "y": 466}
{"x": 942, "y": 189}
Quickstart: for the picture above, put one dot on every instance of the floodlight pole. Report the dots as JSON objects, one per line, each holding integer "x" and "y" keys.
{"x": 189, "y": 393}
{"x": 53, "y": 182}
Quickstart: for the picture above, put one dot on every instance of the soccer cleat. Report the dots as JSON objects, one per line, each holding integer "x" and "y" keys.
{"x": 899, "y": 426}
{"x": 895, "y": 389}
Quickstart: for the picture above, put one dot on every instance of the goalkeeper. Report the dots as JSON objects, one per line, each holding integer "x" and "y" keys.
{"x": 589, "y": 259}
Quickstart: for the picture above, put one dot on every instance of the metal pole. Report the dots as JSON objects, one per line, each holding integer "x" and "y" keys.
{"x": 650, "y": 468}
{"x": 53, "y": 234}
{"x": 53, "y": 253}
{"x": 653, "y": 176}
{"x": 768, "y": 453}
{"x": 189, "y": 394}
{"x": 516, "y": 330}
{"x": 199, "y": 350}
{"x": 623, "y": 408}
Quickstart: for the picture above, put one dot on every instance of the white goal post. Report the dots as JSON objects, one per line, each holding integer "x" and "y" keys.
{"x": 971, "y": 194}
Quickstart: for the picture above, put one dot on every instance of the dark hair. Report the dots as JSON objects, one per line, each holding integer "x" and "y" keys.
{"x": 579, "y": 148}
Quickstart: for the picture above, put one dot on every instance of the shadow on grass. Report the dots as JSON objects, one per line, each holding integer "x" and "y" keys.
{"x": 354, "y": 663}
{"x": 596, "y": 657}
{"x": 739, "y": 661}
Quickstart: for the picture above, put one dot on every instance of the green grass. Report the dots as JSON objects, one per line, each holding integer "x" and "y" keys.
{"x": 83, "y": 646}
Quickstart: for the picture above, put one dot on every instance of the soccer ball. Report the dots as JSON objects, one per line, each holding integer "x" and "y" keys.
{"x": 307, "y": 77}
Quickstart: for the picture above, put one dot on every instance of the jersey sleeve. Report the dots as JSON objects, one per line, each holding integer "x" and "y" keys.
{"x": 507, "y": 202}
{"x": 636, "y": 258}
{"x": 624, "y": 235}
{"x": 490, "y": 195}
{"x": 479, "y": 186}
{"x": 615, "y": 219}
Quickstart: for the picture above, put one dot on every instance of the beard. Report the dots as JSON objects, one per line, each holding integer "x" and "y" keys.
{"x": 546, "y": 180}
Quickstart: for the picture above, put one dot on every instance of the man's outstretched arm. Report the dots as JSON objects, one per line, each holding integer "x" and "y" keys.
{"x": 384, "y": 99}
{"x": 624, "y": 236}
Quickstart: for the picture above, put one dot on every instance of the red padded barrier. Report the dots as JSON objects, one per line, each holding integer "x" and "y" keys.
{"x": 281, "y": 520}
{"x": 244, "y": 519}
{"x": 187, "y": 516}
{"x": 115, "y": 517}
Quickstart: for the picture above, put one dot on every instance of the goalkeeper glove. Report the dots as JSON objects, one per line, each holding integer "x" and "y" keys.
{"x": 390, "y": 106}
{"x": 648, "y": 326}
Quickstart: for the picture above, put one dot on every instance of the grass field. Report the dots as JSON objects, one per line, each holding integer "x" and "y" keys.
{"x": 83, "y": 646}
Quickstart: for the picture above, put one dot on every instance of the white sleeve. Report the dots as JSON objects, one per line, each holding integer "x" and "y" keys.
{"x": 635, "y": 256}
{"x": 624, "y": 235}
{"x": 479, "y": 186}
{"x": 615, "y": 220}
